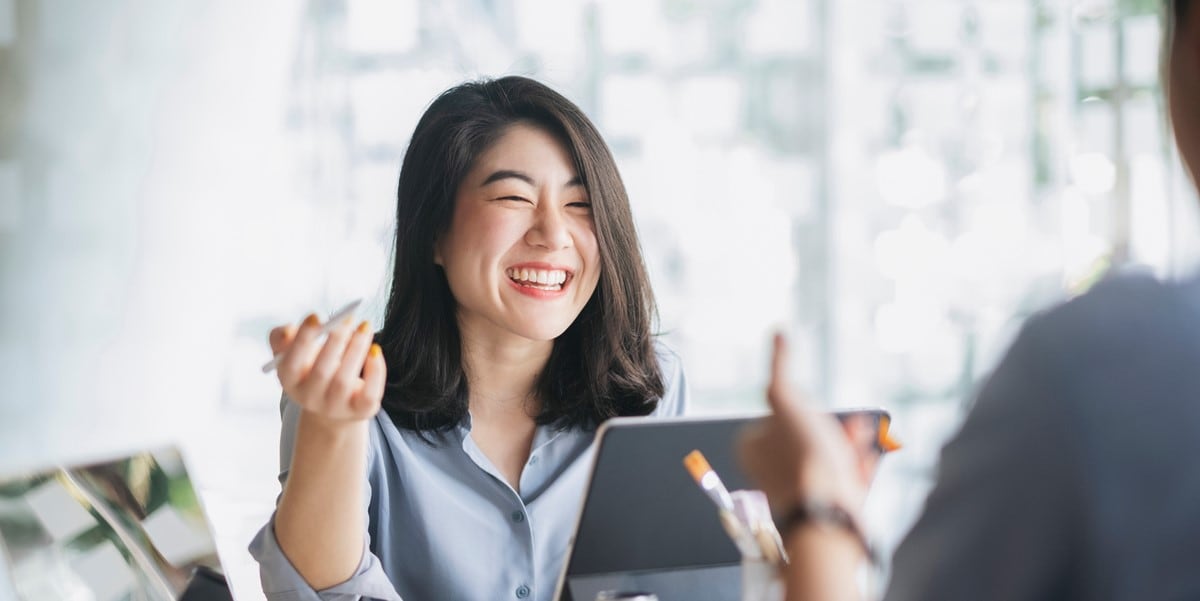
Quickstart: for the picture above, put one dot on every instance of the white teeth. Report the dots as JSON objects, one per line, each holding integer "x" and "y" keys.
{"x": 553, "y": 278}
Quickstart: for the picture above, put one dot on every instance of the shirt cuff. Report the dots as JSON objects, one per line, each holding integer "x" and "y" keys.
{"x": 281, "y": 581}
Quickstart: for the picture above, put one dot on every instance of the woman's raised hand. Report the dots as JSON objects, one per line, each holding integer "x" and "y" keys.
{"x": 798, "y": 453}
{"x": 341, "y": 380}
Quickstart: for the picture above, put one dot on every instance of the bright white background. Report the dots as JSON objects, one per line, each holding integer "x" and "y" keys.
{"x": 896, "y": 183}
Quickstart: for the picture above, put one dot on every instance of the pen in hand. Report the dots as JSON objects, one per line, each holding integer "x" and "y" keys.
{"x": 337, "y": 316}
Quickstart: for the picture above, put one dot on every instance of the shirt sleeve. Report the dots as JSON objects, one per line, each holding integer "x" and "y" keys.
{"x": 280, "y": 580}
{"x": 676, "y": 395}
{"x": 999, "y": 523}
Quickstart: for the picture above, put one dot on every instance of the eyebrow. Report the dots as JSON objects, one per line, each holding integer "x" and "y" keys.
{"x": 525, "y": 177}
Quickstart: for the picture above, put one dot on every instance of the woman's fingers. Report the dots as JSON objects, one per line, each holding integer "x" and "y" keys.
{"x": 316, "y": 382}
{"x": 862, "y": 431}
{"x": 779, "y": 358}
{"x": 366, "y": 401}
{"x": 780, "y": 395}
{"x": 347, "y": 379}
{"x": 797, "y": 451}
{"x": 281, "y": 338}
{"x": 341, "y": 378}
{"x": 868, "y": 466}
{"x": 293, "y": 366}
{"x": 772, "y": 456}
{"x": 749, "y": 452}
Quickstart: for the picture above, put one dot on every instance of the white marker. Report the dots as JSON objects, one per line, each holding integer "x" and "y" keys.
{"x": 337, "y": 316}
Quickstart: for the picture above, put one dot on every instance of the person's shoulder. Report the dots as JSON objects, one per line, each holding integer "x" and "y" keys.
{"x": 389, "y": 438}
{"x": 1127, "y": 320}
{"x": 670, "y": 367}
{"x": 1126, "y": 305}
{"x": 668, "y": 360}
{"x": 1131, "y": 287}
{"x": 674, "y": 400}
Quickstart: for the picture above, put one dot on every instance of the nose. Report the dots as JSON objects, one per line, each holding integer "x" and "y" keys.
{"x": 550, "y": 228}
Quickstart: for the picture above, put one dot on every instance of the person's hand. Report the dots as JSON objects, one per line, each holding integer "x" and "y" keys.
{"x": 340, "y": 381}
{"x": 862, "y": 432}
{"x": 797, "y": 453}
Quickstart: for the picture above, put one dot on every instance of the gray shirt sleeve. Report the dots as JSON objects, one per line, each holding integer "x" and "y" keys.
{"x": 280, "y": 580}
{"x": 676, "y": 397}
{"x": 999, "y": 523}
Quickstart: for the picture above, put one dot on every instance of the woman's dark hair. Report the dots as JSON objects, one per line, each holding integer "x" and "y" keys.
{"x": 604, "y": 364}
{"x": 1177, "y": 11}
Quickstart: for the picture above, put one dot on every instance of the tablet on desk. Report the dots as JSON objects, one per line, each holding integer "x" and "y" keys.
{"x": 644, "y": 523}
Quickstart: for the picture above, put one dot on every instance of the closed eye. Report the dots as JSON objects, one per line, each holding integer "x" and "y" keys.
{"x": 516, "y": 198}
{"x": 581, "y": 204}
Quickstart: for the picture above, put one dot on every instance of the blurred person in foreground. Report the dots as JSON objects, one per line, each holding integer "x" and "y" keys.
{"x": 1074, "y": 474}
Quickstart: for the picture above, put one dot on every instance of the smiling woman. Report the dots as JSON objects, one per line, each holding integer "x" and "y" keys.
{"x": 502, "y": 143}
{"x": 520, "y": 317}
{"x": 520, "y": 254}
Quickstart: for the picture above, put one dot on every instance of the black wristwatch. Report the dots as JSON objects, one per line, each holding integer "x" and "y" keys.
{"x": 831, "y": 514}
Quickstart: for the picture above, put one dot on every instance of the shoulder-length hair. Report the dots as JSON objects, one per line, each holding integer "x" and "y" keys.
{"x": 604, "y": 364}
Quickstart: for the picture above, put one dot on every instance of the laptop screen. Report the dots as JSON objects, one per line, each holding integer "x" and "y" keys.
{"x": 127, "y": 529}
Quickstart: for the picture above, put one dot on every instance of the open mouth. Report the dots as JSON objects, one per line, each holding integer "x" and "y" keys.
{"x": 550, "y": 280}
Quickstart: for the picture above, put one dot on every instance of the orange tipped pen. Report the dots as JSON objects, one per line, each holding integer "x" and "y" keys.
{"x": 708, "y": 479}
{"x": 697, "y": 465}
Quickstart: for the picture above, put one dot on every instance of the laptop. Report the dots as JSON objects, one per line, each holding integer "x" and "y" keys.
{"x": 645, "y": 525}
{"x": 128, "y": 529}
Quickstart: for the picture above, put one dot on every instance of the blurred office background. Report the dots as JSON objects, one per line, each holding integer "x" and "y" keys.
{"x": 896, "y": 183}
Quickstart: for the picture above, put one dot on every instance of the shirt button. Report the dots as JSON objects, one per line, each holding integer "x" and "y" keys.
{"x": 518, "y": 517}
{"x": 533, "y": 460}
{"x": 522, "y": 591}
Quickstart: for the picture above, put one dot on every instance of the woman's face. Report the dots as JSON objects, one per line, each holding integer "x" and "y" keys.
{"x": 1184, "y": 90}
{"x": 521, "y": 254}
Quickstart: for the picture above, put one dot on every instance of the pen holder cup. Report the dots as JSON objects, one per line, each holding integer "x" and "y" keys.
{"x": 761, "y": 581}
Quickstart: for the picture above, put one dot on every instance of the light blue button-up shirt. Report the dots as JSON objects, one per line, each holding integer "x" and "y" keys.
{"x": 444, "y": 524}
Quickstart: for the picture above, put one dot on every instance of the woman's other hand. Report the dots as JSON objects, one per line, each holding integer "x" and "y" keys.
{"x": 797, "y": 453}
{"x": 341, "y": 380}
{"x": 863, "y": 433}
